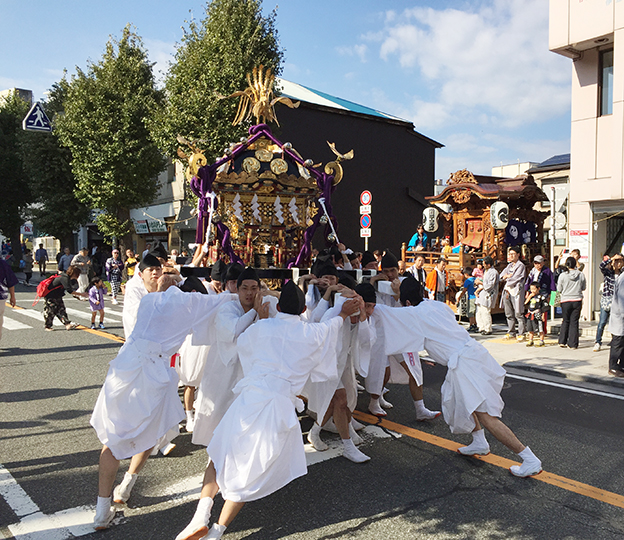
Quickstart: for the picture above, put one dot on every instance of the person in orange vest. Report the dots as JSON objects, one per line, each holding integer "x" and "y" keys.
{"x": 437, "y": 281}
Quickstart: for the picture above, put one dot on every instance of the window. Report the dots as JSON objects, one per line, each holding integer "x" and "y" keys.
{"x": 606, "y": 83}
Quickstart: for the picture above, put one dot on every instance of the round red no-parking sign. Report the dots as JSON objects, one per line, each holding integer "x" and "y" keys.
{"x": 365, "y": 221}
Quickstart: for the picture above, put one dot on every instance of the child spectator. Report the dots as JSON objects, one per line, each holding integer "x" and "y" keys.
{"x": 478, "y": 271}
{"x": 469, "y": 289}
{"x": 537, "y": 308}
{"x": 97, "y": 290}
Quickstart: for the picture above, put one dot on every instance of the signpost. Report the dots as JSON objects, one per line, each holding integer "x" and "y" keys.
{"x": 366, "y": 198}
{"x": 36, "y": 119}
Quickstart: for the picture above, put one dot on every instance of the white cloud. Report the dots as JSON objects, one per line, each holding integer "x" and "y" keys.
{"x": 161, "y": 53}
{"x": 488, "y": 65}
{"x": 355, "y": 50}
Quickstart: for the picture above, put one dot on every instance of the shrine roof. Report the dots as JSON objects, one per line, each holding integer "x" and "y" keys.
{"x": 490, "y": 187}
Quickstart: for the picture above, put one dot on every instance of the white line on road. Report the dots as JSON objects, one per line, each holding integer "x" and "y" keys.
{"x": 75, "y": 522}
{"x": 87, "y": 315}
{"x": 11, "y": 324}
{"x": 34, "y": 314}
{"x": 566, "y": 386}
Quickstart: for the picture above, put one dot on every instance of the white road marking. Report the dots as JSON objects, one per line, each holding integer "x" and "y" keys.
{"x": 11, "y": 324}
{"x": 34, "y": 314}
{"x": 75, "y": 522}
{"x": 566, "y": 386}
{"x": 86, "y": 315}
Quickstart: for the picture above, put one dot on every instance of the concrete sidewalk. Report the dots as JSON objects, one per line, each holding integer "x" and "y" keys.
{"x": 580, "y": 367}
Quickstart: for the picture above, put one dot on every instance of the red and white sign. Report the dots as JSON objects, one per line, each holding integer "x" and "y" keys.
{"x": 365, "y": 233}
{"x": 366, "y": 197}
{"x": 579, "y": 239}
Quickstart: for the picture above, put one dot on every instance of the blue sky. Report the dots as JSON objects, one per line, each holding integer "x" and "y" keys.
{"x": 477, "y": 75}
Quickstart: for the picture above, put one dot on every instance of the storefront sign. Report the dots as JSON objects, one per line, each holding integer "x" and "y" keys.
{"x": 579, "y": 239}
{"x": 141, "y": 227}
{"x": 156, "y": 225}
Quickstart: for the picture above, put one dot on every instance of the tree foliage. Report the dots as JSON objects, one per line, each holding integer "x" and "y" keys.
{"x": 56, "y": 210}
{"x": 14, "y": 189}
{"x": 104, "y": 125}
{"x": 214, "y": 58}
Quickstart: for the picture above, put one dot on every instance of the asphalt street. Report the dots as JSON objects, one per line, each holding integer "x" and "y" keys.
{"x": 415, "y": 485}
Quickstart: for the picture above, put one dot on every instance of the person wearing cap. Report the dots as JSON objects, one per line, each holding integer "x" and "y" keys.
{"x": 512, "y": 299}
{"x": 230, "y": 278}
{"x": 138, "y": 406}
{"x": 257, "y": 448}
{"x": 369, "y": 261}
{"x": 474, "y": 379}
{"x": 486, "y": 296}
{"x": 437, "y": 281}
{"x": 389, "y": 272}
{"x": 543, "y": 275}
{"x": 114, "y": 268}
{"x": 144, "y": 281}
{"x": 324, "y": 275}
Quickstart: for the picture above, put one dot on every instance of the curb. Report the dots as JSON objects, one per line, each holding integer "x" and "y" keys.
{"x": 568, "y": 377}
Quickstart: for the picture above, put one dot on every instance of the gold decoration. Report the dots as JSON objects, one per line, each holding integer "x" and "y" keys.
{"x": 463, "y": 176}
{"x": 264, "y": 155}
{"x": 251, "y": 165}
{"x": 279, "y": 166}
{"x": 257, "y": 99}
{"x": 461, "y": 196}
{"x": 333, "y": 167}
{"x": 195, "y": 160}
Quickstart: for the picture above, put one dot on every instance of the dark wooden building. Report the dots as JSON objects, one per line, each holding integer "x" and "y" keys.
{"x": 392, "y": 161}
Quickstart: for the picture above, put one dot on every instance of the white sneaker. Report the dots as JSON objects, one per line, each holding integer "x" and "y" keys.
{"x": 114, "y": 301}
{"x": 314, "y": 438}
{"x": 476, "y": 448}
{"x": 101, "y": 522}
{"x": 356, "y": 425}
{"x": 385, "y": 404}
{"x": 597, "y": 347}
{"x": 352, "y": 453}
{"x": 216, "y": 532}
{"x": 121, "y": 493}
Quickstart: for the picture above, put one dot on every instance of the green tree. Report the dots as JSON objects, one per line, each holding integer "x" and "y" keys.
{"x": 114, "y": 158}
{"x": 214, "y": 58}
{"x": 56, "y": 209}
{"x": 14, "y": 188}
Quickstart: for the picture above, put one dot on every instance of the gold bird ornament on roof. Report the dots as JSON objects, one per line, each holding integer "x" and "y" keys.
{"x": 257, "y": 99}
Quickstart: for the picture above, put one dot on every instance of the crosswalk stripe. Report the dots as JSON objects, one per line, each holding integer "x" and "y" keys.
{"x": 11, "y": 324}
{"x": 86, "y": 315}
{"x": 34, "y": 314}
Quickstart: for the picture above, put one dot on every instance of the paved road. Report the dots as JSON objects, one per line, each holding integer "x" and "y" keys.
{"x": 415, "y": 486}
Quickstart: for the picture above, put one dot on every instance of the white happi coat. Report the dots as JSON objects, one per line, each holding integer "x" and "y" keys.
{"x": 353, "y": 354}
{"x": 258, "y": 448}
{"x": 135, "y": 291}
{"x": 191, "y": 362}
{"x": 139, "y": 404}
{"x": 474, "y": 379}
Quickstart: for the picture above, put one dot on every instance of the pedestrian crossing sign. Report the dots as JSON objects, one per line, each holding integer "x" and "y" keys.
{"x": 36, "y": 119}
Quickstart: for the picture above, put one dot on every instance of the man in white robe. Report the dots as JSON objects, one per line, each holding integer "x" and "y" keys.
{"x": 257, "y": 448}
{"x": 474, "y": 380}
{"x": 139, "y": 404}
{"x": 353, "y": 355}
{"x": 486, "y": 298}
{"x": 223, "y": 370}
{"x": 144, "y": 281}
{"x": 512, "y": 299}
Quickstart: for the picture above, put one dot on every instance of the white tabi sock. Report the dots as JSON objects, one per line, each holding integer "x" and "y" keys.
{"x": 422, "y": 413}
{"x": 200, "y": 520}
{"x": 375, "y": 408}
{"x": 352, "y": 453}
{"x": 190, "y": 421}
{"x": 354, "y": 436}
{"x": 478, "y": 446}
{"x": 530, "y": 464}
{"x": 356, "y": 425}
{"x": 122, "y": 492}
{"x": 314, "y": 438}
{"x": 216, "y": 531}
{"x": 104, "y": 513}
{"x": 385, "y": 404}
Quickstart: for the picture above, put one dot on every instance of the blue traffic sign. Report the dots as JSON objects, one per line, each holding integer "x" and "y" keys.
{"x": 365, "y": 221}
{"x": 36, "y": 119}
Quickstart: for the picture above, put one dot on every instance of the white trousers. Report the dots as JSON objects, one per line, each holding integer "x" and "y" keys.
{"x": 484, "y": 318}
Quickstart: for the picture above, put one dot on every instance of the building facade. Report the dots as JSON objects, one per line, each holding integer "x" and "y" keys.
{"x": 591, "y": 34}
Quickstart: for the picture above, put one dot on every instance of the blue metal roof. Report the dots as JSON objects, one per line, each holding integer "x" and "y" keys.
{"x": 561, "y": 159}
